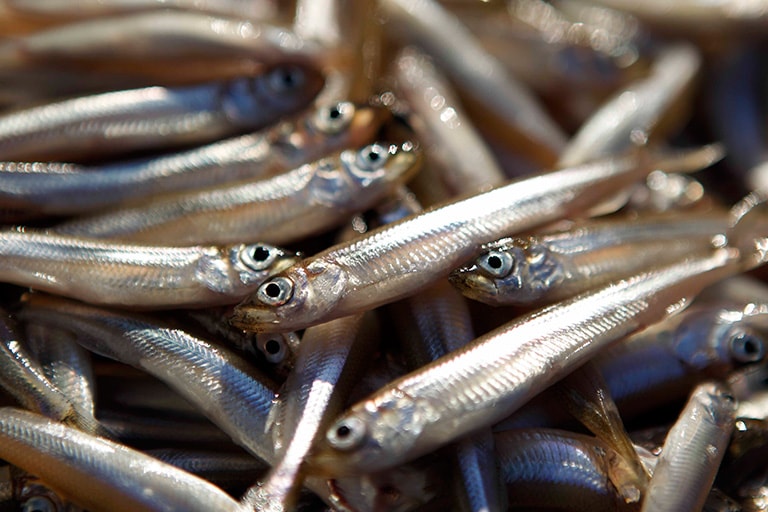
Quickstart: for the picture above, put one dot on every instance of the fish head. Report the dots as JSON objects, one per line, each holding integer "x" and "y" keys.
{"x": 282, "y": 89}
{"x": 254, "y": 263}
{"x": 717, "y": 339}
{"x": 295, "y": 298}
{"x": 373, "y": 435}
{"x": 329, "y": 127}
{"x": 510, "y": 271}
{"x": 359, "y": 177}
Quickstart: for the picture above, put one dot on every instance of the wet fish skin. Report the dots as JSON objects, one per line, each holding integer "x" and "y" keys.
{"x": 136, "y": 276}
{"x": 395, "y": 261}
{"x": 492, "y": 377}
{"x": 279, "y": 210}
{"x": 23, "y": 377}
{"x": 222, "y": 385}
{"x": 547, "y": 468}
{"x": 546, "y": 267}
{"x": 693, "y": 450}
{"x": 101, "y": 475}
{"x": 155, "y": 116}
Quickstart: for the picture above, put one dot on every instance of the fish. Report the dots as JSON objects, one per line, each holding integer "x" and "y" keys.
{"x": 328, "y": 359}
{"x": 306, "y": 201}
{"x": 396, "y": 260}
{"x": 155, "y": 117}
{"x": 545, "y": 267}
{"x": 100, "y": 475}
{"x": 443, "y": 127}
{"x": 498, "y": 372}
{"x": 548, "y": 468}
{"x": 693, "y": 450}
{"x": 133, "y": 275}
{"x": 62, "y": 188}
{"x": 221, "y": 384}
{"x": 632, "y": 114}
{"x": 481, "y": 76}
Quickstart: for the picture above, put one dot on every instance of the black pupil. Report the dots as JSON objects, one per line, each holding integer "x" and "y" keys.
{"x": 343, "y": 431}
{"x": 288, "y": 78}
{"x": 272, "y": 290}
{"x": 373, "y": 156}
{"x": 751, "y": 347}
{"x": 334, "y": 113}
{"x": 272, "y": 347}
{"x": 260, "y": 254}
{"x": 494, "y": 262}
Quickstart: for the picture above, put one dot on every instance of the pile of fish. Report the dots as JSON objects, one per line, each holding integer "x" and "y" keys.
{"x": 383, "y": 255}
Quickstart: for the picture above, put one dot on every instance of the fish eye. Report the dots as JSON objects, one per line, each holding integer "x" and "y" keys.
{"x": 334, "y": 118}
{"x": 346, "y": 433}
{"x": 746, "y": 347}
{"x": 259, "y": 256}
{"x": 496, "y": 264}
{"x": 372, "y": 157}
{"x": 275, "y": 292}
{"x": 272, "y": 346}
{"x": 39, "y": 504}
{"x": 285, "y": 79}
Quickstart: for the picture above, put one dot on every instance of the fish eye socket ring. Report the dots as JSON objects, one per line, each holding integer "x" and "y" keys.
{"x": 346, "y": 434}
{"x": 372, "y": 157}
{"x": 275, "y": 292}
{"x": 496, "y": 264}
{"x": 332, "y": 119}
{"x": 258, "y": 256}
{"x": 746, "y": 347}
{"x": 39, "y": 504}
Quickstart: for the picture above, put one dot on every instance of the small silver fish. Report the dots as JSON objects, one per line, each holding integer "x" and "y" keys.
{"x": 546, "y": 267}
{"x": 118, "y": 122}
{"x": 395, "y": 261}
{"x": 494, "y": 375}
{"x": 101, "y": 475}
{"x": 68, "y": 188}
{"x": 134, "y": 275}
{"x": 283, "y": 209}
{"x": 693, "y": 450}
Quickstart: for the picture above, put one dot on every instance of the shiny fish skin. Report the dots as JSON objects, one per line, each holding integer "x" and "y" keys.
{"x": 117, "y": 122}
{"x": 543, "y": 268}
{"x": 218, "y": 382}
{"x": 66, "y": 365}
{"x": 100, "y": 475}
{"x": 280, "y": 210}
{"x": 497, "y": 373}
{"x": 67, "y": 188}
{"x": 327, "y": 360}
{"x": 442, "y": 125}
{"x": 554, "y": 469}
{"x": 480, "y": 74}
{"x": 24, "y": 379}
{"x": 692, "y": 451}
{"x": 630, "y": 116}
{"x": 136, "y": 276}
{"x": 397, "y": 260}
{"x": 153, "y": 38}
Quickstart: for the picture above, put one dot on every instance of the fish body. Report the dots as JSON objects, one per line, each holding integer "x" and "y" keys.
{"x": 692, "y": 452}
{"x": 137, "y": 276}
{"x": 153, "y": 117}
{"x": 282, "y": 209}
{"x": 396, "y": 260}
{"x": 497, "y": 373}
{"x": 101, "y": 475}
{"x": 546, "y": 267}
{"x": 69, "y": 188}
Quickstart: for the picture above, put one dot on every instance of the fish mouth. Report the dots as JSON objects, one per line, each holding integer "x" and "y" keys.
{"x": 251, "y": 318}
